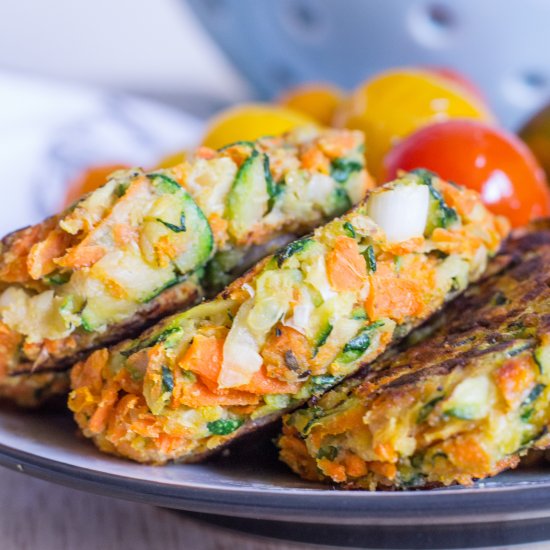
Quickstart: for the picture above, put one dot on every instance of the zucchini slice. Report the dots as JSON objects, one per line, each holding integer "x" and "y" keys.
{"x": 177, "y": 221}
{"x": 248, "y": 198}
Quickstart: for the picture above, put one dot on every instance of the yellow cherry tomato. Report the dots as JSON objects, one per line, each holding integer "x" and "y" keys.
{"x": 317, "y": 100}
{"x": 172, "y": 160}
{"x": 251, "y": 121}
{"x": 393, "y": 104}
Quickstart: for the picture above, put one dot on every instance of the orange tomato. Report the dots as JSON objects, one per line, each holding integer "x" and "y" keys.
{"x": 493, "y": 162}
{"x": 89, "y": 180}
{"x": 394, "y": 104}
{"x": 317, "y": 100}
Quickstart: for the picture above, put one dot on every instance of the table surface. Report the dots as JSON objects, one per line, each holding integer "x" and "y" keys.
{"x": 38, "y": 515}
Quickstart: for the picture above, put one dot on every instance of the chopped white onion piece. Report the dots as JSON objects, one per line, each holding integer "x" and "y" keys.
{"x": 402, "y": 212}
{"x": 301, "y": 316}
{"x": 241, "y": 358}
{"x": 316, "y": 276}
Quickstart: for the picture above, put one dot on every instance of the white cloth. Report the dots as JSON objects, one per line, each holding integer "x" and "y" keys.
{"x": 50, "y": 132}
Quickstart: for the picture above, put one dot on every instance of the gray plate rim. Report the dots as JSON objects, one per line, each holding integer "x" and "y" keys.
{"x": 524, "y": 500}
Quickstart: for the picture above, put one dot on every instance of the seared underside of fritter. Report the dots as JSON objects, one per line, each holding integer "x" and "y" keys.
{"x": 148, "y": 244}
{"x": 465, "y": 402}
{"x": 294, "y": 326}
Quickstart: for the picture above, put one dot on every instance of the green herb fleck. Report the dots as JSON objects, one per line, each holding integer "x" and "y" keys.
{"x": 121, "y": 188}
{"x": 57, "y": 278}
{"x": 341, "y": 169}
{"x": 322, "y": 383}
{"x": 526, "y": 414}
{"x": 356, "y": 346}
{"x": 425, "y": 175}
{"x": 324, "y": 333}
{"x": 358, "y": 314}
{"x": 290, "y": 249}
{"x": 329, "y": 452}
{"x": 175, "y": 228}
{"x": 426, "y": 409}
{"x": 519, "y": 349}
{"x": 359, "y": 344}
{"x": 370, "y": 258}
{"x": 398, "y": 262}
{"x": 340, "y": 201}
{"x": 273, "y": 189}
{"x": 533, "y": 394}
{"x": 167, "y": 379}
{"x": 224, "y": 426}
{"x": 350, "y": 230}
{"x": 153, "y": 341}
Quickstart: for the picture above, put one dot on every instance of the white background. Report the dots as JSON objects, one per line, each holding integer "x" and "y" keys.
{"x": 154, "y": 47}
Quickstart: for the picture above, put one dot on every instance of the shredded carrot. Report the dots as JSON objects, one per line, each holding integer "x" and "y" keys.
{"x": 88, "y": 252}
{"x": 465, "y": 452}
{"x": 98, "y": 421}
{"x": 283, "y": 345}
{"x": 385, "y": 452}
{"x": 346, "y": 268}
{"x": 124, "y": 234}
{"x": 89, "y": 373}
{"x": 384, "y": 469}
{"x": 205, "y": 153}
{"x": 294, "y": 452}
{"x": 219, "y": 229}
{"x": 199, "y": 395}
{"x": 461, "y": 199}
{"x": 13, "y": 262}
{"x": 262, "y": 384}
{"x": 399, "y": 295}
{"x": 81, "y": 256}
{"x": 336, "y": 472}
{"x": 41, "y": 257}
{"x": 54, "y": 347}
{"x": 405, "y": 247}
{"x": 515, "y": 378}
{"x": 9, "y": 342}
{"x": 313, "y": 159}
{"x": 458, "y": 241}
{"x": 204, "y": 357}
{"x": 348, "y": 420}
{"x": 355, "y": 465}
{"x": 338, "y": 144}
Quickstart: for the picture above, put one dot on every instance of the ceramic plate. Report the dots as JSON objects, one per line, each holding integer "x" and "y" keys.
{"x": 249, "y": 482}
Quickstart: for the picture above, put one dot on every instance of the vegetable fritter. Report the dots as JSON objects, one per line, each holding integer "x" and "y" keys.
{"x": 463, "y": 403}
{"x": 148, "y": 244}
{"x": 294, "y": 326}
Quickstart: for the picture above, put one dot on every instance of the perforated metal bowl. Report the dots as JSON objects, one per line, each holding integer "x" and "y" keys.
{"x": 504, "y": 46}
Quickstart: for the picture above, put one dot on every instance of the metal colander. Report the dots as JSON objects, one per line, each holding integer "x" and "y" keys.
{"x": 502, "y": 45}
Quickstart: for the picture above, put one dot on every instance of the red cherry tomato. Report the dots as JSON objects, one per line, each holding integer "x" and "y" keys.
{"x": 489, "y": 160}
